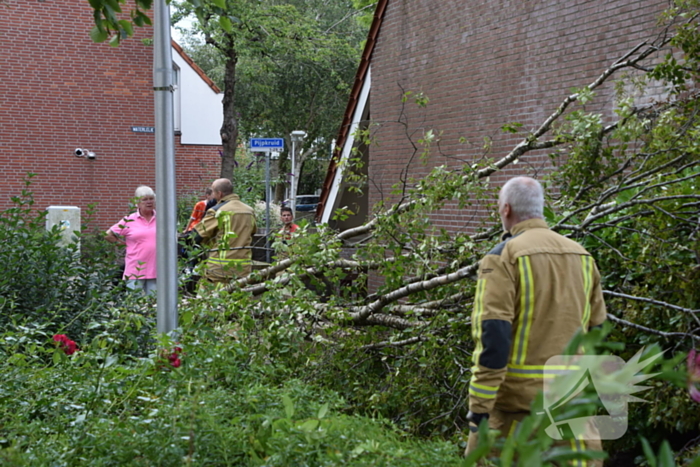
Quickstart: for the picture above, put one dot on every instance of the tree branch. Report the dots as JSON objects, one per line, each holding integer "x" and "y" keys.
{"x": 667, "y": 335}
{"x": 650, "y": 300}
{"x": 362, "y": 313}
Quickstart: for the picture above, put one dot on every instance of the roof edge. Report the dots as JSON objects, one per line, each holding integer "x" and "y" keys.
{"x": 352, "y": 103}
{"x": 195, "y": 67}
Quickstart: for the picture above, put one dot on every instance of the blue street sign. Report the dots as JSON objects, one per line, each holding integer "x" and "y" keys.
{"x": 266, "y": 143}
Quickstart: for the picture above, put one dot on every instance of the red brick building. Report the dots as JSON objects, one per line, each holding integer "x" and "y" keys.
{"x": 60, "y": 91}
{"x": 481, "y": 64}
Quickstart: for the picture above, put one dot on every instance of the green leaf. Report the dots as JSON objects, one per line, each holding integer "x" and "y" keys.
{"x": 309, "y": 425}
{"x": 323, "y": 410}
{"x": 127, "y": 27}
{"x": 549, "y": 215}
{"x": 476, "y": 454}
{"x": 563, "y": 453}
{"x": 141, "y": 19}
{"x": 648, "y": 452}
{"x": 186, "y": 318}
{"x": 626, "y": 195}
{"x": 225, "y": 23}
{"x": 220, "y": 3}
{"x": 288, "y": 405}
{"x": 98, "y": 35}
{"x": 114, "y": 41}
{"x": 113, "y": 5}
{"x": 666, "y": 455}
{"x": 512, "y": 127}
{"x": 111, "y": 360}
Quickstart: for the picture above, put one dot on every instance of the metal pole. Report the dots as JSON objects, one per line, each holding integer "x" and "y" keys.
{"x": 293, "y": 190}
{"x": 267, "y": 205}
{"x": 166, "y": 223}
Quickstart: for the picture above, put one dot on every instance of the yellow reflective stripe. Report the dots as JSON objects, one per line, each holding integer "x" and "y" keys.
{"x": 483, "y": 386}
{"x": 530, "y": 376}
{"x": 587, "y": 265}
{"x": 539, "y": 371}
{"x": 543, "y": 367}
{"x": 476, "y": 321}
{"x": 225, "y": 228}
{"x": 483, "y": 391}
{"x": 578, "y": 445}
{"x": 527, "y": 307}
{"x": 224, "y": 261}
{"x": 476, "y": 393}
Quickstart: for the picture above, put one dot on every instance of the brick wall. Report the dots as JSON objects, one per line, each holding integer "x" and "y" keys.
{"x": 60, "y": 91}
{"x": 483, "y": 64}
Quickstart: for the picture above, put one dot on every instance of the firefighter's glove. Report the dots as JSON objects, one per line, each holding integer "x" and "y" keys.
{"x": 475, "y": 419}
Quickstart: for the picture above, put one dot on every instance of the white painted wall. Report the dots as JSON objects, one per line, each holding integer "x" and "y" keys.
{"x": 201, "y": 110}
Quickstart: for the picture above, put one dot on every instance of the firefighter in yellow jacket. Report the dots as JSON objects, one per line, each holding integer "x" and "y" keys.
{"x": 227, "y": 231}
{"x": 535, "y": 290}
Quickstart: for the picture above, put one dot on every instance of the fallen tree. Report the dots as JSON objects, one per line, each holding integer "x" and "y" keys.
{"x": 626, "y": 189}
{"x": 617, "y": 184}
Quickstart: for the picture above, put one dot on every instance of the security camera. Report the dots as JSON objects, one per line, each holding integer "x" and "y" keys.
{"x": 79, "y": 152}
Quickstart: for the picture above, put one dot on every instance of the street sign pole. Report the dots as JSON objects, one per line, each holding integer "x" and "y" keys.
{"x": 267, "y": 206}
{"x": 293, "y": 191}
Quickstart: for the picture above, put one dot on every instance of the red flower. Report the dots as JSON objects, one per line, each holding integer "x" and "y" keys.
{"x": 173, "y": 356}
{"x": 67, "y": 345}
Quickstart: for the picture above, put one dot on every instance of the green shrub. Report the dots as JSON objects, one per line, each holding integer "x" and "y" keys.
{"x": 58, "y": 289}
{"x": 222, "y": 406}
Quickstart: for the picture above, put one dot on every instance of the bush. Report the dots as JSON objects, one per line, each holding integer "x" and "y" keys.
{"x": 219, "y": 407}
{"x": 51, "y": 287}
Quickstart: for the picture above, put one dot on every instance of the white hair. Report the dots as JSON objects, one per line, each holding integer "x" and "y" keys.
{"x": 144, "y": 190}
{"x": 525, "y": 197}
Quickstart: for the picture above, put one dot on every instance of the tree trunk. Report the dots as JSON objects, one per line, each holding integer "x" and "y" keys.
{"x": 298, "y": 165}
{"x": 282, "y": 169}
{"x": 229, "y": 128}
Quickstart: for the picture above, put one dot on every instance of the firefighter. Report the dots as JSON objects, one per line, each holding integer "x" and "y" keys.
{"x": 535, "y": 290}
{"x": 226, "y": 231}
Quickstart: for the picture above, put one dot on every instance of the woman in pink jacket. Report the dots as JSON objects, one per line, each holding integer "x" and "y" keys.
{"x": 137, "y": 232}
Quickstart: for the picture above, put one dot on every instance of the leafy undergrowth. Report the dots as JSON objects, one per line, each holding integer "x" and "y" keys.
{"x": 215, "y": 406}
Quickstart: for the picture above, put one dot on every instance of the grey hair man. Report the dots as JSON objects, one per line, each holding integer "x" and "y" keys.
{"x": 536, "y": 289}
{"x": 520, "y": 199}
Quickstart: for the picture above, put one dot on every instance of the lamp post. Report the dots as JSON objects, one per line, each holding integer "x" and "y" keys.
{"x": 166, "y": 221}
{"x": 297, "y": 137}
